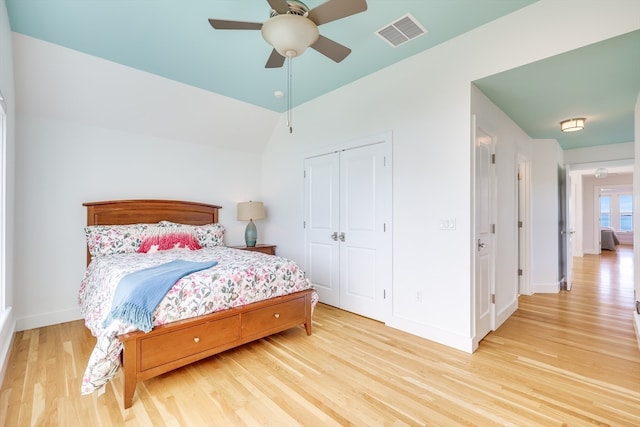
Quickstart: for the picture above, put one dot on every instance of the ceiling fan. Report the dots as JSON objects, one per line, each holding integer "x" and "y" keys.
{"x": 292, "y": 28}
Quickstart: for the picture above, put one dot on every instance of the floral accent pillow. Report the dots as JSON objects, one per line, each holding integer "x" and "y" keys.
{"x": 114, "y": 239}
{"x": 208, "y": 235}
{"x": 166, "y": 238}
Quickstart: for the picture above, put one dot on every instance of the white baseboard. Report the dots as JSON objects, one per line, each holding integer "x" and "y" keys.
{"x": 430, "y": 333}
{"x": 546, "y": 288}
{"x": 46, "y": 319}
{"x": 506, "y": 312}
{"x": 7, "y": 334}
{"x": 636, "y": 322}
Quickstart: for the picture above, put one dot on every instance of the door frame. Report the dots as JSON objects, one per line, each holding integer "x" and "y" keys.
{"x": 567, "y": 229}
{"x": 524, "y": 232}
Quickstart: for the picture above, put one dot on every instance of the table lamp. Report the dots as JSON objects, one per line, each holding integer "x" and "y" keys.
{"x": 248, "y": 211}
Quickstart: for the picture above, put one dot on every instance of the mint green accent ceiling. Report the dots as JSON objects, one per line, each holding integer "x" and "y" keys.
{"x": 600, "y": 82}
{"x": 173, "y": 39}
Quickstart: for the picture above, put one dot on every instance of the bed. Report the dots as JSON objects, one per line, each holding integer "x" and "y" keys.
{"x": 203, "y": 314}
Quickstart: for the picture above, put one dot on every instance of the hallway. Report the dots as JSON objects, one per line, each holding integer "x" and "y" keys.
{"x": 583, "y": 339}
{"x": 610, "y": 275}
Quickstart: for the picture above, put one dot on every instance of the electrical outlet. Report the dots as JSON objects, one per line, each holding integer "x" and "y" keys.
{"x": 419, "y": 296}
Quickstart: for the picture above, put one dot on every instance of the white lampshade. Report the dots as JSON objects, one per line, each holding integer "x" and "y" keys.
{"x": 250, "y": 210}
{"x": 572, "y": 125}
{"x": 290, "y": 34}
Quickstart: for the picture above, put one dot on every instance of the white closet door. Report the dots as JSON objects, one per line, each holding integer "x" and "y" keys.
{"x": 322, "y": 225}
{"x": 365, "y": 242}
{"x": 348, "y": 228}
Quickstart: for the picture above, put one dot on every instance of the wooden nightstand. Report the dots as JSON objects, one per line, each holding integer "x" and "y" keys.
{"x": 265, "y": 249}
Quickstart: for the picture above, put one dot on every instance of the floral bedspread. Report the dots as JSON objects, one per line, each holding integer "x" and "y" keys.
{"x": 239, "y": 278}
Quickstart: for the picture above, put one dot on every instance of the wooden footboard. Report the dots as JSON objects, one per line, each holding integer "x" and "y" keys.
{"x": 177, "y": 344}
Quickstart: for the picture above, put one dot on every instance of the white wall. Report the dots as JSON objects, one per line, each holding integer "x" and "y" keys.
{"x": 601, "y": 153}
{"x": 7, "y": 313}
{"x": 547, "y": 156}
{"x": 424, "y": 101}
{"x": 63, "y": 84}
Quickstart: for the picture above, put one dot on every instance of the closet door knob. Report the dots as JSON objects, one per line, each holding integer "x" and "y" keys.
{"x": 334, "y": 236}
{"x": 342, "y": 237}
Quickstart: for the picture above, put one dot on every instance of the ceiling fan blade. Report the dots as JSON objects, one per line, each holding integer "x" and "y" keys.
{"x": 280, "y": 6}
{"x": 221, "y": 24}
{"x": 331, "y": 49}
{"x": 336, "y": 9}
{"x": 275, "y": 60}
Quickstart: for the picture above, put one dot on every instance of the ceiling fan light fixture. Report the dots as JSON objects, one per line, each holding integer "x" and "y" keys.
{"x": 572, "y": 125}
{"x": 290, "y": 35}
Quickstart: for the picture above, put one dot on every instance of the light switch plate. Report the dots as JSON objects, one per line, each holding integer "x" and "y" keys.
{"x": 448, "y": 224}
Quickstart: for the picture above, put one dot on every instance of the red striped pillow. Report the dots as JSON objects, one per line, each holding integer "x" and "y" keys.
{"x": 165, "y": 239}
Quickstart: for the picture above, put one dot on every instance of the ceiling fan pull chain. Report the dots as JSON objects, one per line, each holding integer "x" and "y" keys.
{"x": 289, "y": 85}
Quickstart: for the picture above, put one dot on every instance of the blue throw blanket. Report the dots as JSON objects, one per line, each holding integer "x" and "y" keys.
{"x": 139, "y": 293}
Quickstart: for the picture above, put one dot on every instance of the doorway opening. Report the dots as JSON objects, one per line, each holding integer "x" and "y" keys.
{"x": 602, "y": 223}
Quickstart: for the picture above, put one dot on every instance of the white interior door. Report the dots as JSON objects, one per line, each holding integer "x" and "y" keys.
{"x": 569, "y": 229}
{"x": 484, "y": 272}
{"x": 348, "y": 251}
{"x": 322, "y": 225}
{"x": 365, "y": 242}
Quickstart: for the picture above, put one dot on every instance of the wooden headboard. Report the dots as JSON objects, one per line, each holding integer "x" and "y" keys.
{"x": 119, "y": 212}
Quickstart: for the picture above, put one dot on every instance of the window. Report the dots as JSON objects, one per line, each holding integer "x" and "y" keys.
{"x": 605, "y": 211}
{"x": 616, "y": 210}
{"x": 626, "y": 212}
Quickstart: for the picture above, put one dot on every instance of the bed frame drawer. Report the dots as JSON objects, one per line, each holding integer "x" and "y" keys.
{"x": 169, "y": 347}
{"x": 276, "y": 317}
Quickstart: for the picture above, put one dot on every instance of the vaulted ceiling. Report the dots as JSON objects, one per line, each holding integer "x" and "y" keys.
{"x": 173, "y": 39}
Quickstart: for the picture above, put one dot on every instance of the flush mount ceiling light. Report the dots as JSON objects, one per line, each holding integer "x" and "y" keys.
{"x": 601, "y": 173}
{"x": 572, "y": 125}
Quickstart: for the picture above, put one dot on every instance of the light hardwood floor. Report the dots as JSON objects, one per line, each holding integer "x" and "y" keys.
{"x": 561, "y": 359}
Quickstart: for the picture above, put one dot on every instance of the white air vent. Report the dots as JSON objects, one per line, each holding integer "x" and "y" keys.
{"x": 401, "y": 31}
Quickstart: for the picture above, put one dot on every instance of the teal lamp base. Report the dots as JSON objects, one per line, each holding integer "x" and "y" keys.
{"x": 250, "y": 234}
